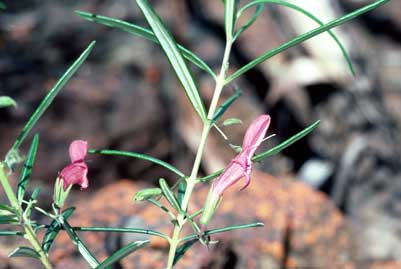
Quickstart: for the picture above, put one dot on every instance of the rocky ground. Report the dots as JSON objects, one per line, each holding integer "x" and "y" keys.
{"x": 332, "y": 200}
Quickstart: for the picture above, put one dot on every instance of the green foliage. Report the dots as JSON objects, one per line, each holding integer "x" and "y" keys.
{"x": 50, "y": 97}
{"x": 182, "y": 249}
{"x": 27, "y": 169}
{"x": 223, "y": 108}
{"x": 122, "y": 253}
{"x": 258, "y": 3}
{"x": 223, "y": 230}
{"x": 229, "y": 18}
{"x": 301, "y": 38}
{"x": 6, "y": 101}
{"x": 258, "y": 11}
{"x": 145, "y": 33}
{"x": 169, "y": 195}
{"x": 174, "y": 55}
{"x": 232, "y": 121}
{"x": 24, "y": 252}
{"x": 147, "y": 194}
{"x": 137, "y": 156}
{"x": 54, "y": 229}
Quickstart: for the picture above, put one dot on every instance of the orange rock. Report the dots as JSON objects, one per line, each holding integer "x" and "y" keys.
{"x": 302, "y": 228}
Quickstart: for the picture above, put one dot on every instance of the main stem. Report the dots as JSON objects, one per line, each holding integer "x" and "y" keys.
{"x": 30, "y": 234}
{"x": 191, "y": 180}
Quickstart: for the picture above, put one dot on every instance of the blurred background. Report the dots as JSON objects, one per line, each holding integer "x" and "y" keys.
{"x": 332, "y": 200}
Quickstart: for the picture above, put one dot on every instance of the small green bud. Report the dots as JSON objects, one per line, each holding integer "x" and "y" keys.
{"x": 60, "y": 195}
{"x": 147, "y": 194}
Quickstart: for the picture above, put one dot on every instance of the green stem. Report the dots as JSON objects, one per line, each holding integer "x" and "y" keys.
{"x": 191, "y": 180}
{"x": 7, "y": 188}
{"x": 30, "y": 234}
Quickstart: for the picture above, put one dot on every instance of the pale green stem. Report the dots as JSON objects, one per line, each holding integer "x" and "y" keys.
{"x": 7, "y": 188}
{"x": 191, "y": 180}
{"x": 30, "y": 234}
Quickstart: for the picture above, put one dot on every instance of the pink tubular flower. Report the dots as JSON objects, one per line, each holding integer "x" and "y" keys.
{"x": 239, "y": 167}
{"x": 76, "y": 172}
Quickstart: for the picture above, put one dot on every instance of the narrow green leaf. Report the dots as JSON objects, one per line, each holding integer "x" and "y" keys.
{"x": 229, "y": 18}
{"x": 222, "y": 230}
{"x": 272, "y": 151}
{"x": 81, "y": 247}
{"x": 173, "y": 54}
{"x": 6, "y": 101}
{"x": 311, "y": 16}
{"x": 7, "y": 218}
{"x": 50, "y": 97}
{"x": 24, "y": 252}
{"x": 182, "y": 186}
{"x": 286, "y": 143}
{"x": 10, "y": 233}
{"x": 7, "y": 208}
{"x": 120, "y": 230}
{"x": 137, "y": 156}
{"x": 169, "y": 194}
{"x": 258, "y": 11}
{"x": 53, "y": 230}
{"x": 122, "y": 253}
{"x": 232, "y": 121}
{"x": 35, "y": 193}
{"x": 162, "y": 207}
{"x": 301, "y": 38}
{"x": 27, "y": 169}
{"x": 182, "y": 249}
{"x": 145, "y": 33}
{"x": 223, "y": 108}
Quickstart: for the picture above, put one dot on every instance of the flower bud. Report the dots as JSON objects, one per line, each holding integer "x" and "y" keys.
{"x": 147, "y": 194}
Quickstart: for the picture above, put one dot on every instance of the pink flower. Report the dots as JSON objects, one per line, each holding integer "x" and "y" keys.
{"x": 239, "y": 167}
{"x": 76, "y": 172}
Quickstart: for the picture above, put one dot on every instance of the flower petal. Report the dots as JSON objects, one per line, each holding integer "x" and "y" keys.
{"x": 255, "y": 133}
{"x": 231, "y": 175}
{"x": 78, "y": 150}
{"x": 75, "y": 173}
